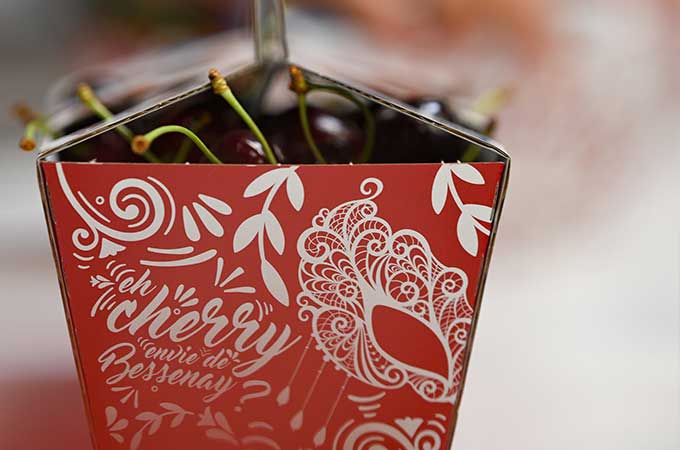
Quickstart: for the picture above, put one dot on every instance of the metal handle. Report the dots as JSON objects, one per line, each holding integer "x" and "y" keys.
{"x": 270, "y": 31}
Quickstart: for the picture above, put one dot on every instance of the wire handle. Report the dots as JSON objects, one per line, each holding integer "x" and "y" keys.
{"x": 270, "y": 31}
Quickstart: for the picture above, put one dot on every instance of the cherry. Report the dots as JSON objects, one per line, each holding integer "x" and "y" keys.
{"x": 400, "y": 138}
{"x": 202, "y": 129}
{"x": 335, "y": 132}
{"x": 235, "y": 147}
{"x": 239, "y": 147}
{"x": 221, "y": 88}
{"x": 285, "y": 135}
{"x": 208, "y": 111}
{"x": 339, "y": 138}
{"x": 443, "y": 146}
{"x": 206, "y": 119}
{"x": 434, "y": 108}
{"x": 109, "y": 147}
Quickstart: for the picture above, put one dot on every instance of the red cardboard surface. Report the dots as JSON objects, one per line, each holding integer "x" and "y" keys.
{"x": 286, "y": 308}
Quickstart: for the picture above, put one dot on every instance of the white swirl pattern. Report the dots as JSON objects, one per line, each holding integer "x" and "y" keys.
{"x": 132, "y": 200}
{"x": 139, "y": 207}
{"x": 384, "y": 436}
{"x": 351, "y": 264}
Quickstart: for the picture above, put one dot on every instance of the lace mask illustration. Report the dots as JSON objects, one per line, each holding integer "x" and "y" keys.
{"x": 383, "y": 309}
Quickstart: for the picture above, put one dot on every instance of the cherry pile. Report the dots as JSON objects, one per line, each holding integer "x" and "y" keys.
{"x": 214, "y": 127}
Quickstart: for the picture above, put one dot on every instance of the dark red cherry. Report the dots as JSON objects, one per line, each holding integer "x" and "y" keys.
{"x": 238, "y": 147}
{"x": 112, "y": 147}
{"x": 443, "y": 146}
{"x": 284, "y": 133}
{"x": 438, "y": 109}
{"x": 340, "y": 139}
{"x": 204, "y": 106}
{"x": 433, "y": 108}
{"x": 208, "y": 119}
{"x": 108, "y": 147}
{"x": 401, "y": 138}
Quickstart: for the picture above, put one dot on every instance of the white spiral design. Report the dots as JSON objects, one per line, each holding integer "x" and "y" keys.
{"x": 137, "y": 205}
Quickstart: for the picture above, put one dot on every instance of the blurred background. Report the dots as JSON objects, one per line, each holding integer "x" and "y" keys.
{"x": 578, "y": 346}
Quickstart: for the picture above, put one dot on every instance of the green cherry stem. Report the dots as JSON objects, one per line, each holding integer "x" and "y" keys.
{"x": 89, "y": 99}
{"x": 183, "y": 151}
{"x": 221, "y": 88}
{"x": 27, "y": 142}
{"x": 41, "y": 125}
{"x": 369, "y": 121}
{"x": 33, "y": 122}
{"x": 304, "y": 121}
{"x": 492, "y": 101}
{"x": 471, "y": 154}
{"x": 299, "y": 85}
{"x": 140, "y": 144}
{"x": 198, "y": 125}
{"x": 302, "y": 87}
{"x": 487, "y": 105}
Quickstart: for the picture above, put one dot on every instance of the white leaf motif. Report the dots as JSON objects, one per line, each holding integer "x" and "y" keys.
{"x": 215, "y": 204}
{"x": 155, "y": 425}
{"x": 136, "y": 441}
{"x": 246, "y": 232}
{"x": 265, "y": 181}
{"x": 274, "y": 283}
{"x": 275, "y": 232}
{"x": 190, "y": 227}
{"x": 467, "y": 173}
{"x": 120, "y": 425}
{"x": 111, "y": 414}
{"x": 171, "y": 407}
{"x": 440, "y": 189}
{"x": 480, "y": 212}
{"x": 146, "y": 416}
{"x": 177, "y": 421}
{"x": 295, "y": 190}
{"x": 467, "y": 234}
{"x": 209, "y": 221}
